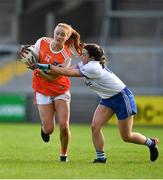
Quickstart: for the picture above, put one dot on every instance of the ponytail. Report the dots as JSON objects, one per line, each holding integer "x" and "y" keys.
{"x": 102, "y": 61}
{"x": 74, "y": 38}
{"x": 74, "y": 41}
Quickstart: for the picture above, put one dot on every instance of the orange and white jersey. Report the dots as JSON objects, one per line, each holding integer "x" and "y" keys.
{"x": 62, "y": 58}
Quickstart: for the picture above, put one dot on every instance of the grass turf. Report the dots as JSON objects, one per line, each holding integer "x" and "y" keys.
{"x": 24, "y": 155}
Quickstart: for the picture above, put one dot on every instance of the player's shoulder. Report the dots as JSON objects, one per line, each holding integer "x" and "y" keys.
{"x": 42, "y": 40}
{"x": 93, "y": 68}
{"x": 46, "y": 39}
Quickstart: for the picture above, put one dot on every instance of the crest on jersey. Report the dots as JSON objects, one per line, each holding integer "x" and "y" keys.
{"x": 47, "y": 58}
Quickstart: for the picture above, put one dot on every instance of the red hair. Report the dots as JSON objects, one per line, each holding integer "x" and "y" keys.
{"x": 74, "y": 38}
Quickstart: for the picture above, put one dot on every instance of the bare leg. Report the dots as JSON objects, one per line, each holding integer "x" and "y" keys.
{"x": 101, "y": 116}
{"x": 125, "y": 128}
{"x": 63, "y": 112}
{"x": 46, "y": 112}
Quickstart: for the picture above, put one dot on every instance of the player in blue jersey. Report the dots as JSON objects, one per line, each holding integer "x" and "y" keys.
{"x": 116, "y": 98}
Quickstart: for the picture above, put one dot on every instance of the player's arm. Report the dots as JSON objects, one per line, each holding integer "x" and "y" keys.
{"x": 73, "y": 67}
{"x": 66, "y": 71}
{"x": 47, "y": 77}
{"x": 55, "y": 70}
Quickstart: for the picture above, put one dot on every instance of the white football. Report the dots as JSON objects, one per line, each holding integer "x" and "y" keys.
{"x": 29, "y": 55}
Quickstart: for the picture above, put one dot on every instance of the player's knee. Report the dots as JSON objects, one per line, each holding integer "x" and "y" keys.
{"x": 126, "y": 137}
{"x": 64, "y": 127}
{"x": 95, "y": 129}
{"x": 48, "y": 129}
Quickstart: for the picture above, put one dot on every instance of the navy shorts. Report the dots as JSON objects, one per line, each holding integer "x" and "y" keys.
{"x": 123, "y": 104}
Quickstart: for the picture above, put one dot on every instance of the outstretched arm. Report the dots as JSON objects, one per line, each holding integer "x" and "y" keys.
{"x": 65, "y": 71}
{"x": 51, "y": 70}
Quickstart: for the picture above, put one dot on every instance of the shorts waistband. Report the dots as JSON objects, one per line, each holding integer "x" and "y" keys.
{"x": 120, "y": 93}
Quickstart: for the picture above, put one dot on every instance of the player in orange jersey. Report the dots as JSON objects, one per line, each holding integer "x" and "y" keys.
{"x": 53, "y": 96}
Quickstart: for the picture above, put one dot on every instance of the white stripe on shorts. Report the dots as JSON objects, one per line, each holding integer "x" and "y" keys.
{"x": 127, "y": 103}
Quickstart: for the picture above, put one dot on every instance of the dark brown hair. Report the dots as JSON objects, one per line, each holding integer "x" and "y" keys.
{"x": 97, "y": 53}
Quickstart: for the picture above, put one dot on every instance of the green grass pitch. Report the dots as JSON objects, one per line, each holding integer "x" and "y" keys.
{"x": 24, "y": 155}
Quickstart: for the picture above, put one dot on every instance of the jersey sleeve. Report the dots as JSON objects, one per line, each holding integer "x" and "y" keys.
{"x": 89, "y": 70}
{"x": 37, "y": 45}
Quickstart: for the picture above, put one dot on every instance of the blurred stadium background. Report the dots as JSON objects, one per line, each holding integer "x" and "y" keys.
{"x": 130, "y": 31}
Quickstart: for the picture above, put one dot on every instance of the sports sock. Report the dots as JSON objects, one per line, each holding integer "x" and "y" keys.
{"x": 63, "y": 151}
{"x": 100, "y": 154}
{"x": 149, "y": 142}
{"x": 64, "y": 155}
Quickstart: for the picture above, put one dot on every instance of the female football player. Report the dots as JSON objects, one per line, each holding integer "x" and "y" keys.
{"x": 53, "y": 97}
{"x": 115, "y": 98}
